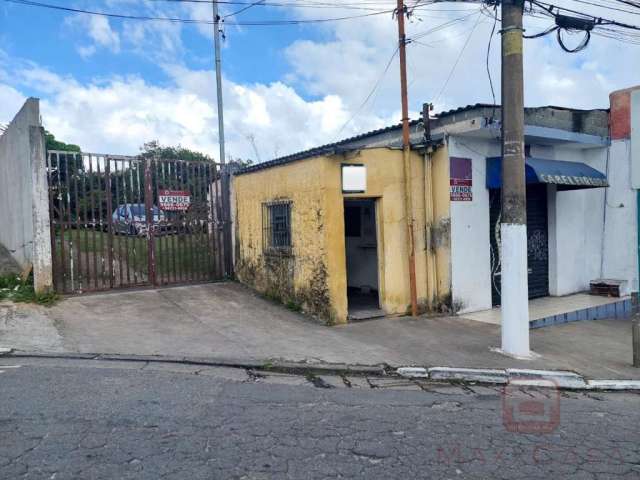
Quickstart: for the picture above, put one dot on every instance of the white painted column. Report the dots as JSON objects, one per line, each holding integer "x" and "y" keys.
{"x": 515, "y": 290}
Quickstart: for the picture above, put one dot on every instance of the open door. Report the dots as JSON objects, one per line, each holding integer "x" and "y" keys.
{"x": 362, "y": 259}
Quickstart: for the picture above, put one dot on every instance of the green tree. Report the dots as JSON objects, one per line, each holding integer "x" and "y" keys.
{"x": 53, "y": 144}
{"x": 153, "y": 149}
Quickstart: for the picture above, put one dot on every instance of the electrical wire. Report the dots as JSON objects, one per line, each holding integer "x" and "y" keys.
{"x": 548, "y": 7}
{"x": 243, "y": 9}
{"x": 493, "y": 31}
{"x": 373, "y": 90}
{"x": 194, "y": 21}
{"x": 444, "y": 86}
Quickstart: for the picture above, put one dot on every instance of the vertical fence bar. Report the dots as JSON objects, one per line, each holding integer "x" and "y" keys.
{"x": 148, "y": 202}
{"x": 117, "y": 209}
{"x": 101, "y": 222}
{"x": 52, "y": 220}
{"x": 63, "y": 263}
{"x": 108, "y": 193}
{"x": 175, "y": 237}
{"x": 140, "y": 201}
{"x": 87, "y": 266}
{"x": 215, "y": 207}
{"x": 76, "y": 212}
{"x": 125, "y": 198}
{"x": 209, "y": 211}
{"x": 69, "y": 220}
{"x": 161, "y": 269}
{"x": 94, "y": 223}
{"x": 173, "y": 227}
{"x": 182, "y": 229}
{"x": 197, "y": 266}
{"x": 189, "y": 176}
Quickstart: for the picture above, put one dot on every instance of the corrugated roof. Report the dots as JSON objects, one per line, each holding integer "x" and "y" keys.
{"x": 343, "y": 145}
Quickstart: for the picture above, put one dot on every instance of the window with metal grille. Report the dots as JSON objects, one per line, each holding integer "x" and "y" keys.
{"x": 276, "y": 226}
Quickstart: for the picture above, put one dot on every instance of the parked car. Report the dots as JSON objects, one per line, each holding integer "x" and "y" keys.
{"x": 131, "y": 219}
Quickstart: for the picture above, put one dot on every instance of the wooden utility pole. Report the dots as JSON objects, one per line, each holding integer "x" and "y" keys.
{"x": 513, "y": 228}
{"x": 406, "y": 158}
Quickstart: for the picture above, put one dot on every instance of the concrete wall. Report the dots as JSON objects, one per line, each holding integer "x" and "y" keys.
{"x": 585, "y": 242}
{"x": 620, "y": 259}
{"x": 575, "y": 221}
{"x": 24, "y": 215}
{"x": 303, "y": 277}
{"x": 470, "y": 250}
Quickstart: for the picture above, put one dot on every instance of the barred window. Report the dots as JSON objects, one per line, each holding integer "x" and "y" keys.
{"x": 276, "y": 226}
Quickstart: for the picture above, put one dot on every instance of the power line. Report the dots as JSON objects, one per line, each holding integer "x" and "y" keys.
{"x": 194, "y": 21}
{"x": 444, "y": 86}
{"x": 493, "y": 31}
{"x": 373, "y": 90}
{"x": 243, "y": 9}
{"x": 548, "y": 8}
{"x": 585, "y": 2}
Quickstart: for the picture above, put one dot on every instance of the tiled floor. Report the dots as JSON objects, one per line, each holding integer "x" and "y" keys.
{"x": 546, "y": 307}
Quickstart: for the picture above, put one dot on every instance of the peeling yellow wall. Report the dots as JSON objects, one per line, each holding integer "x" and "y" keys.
{"x": 302, "y": 278}
{"x": 314, "y": 276}
{"x": 441, "y": 232}
{"x": 385, "y": 183}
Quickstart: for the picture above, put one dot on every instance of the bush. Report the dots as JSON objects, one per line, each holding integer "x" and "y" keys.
{"x": 13, "y": 288}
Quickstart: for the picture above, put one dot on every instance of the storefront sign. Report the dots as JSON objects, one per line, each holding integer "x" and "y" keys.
{"x": 461, "y": 179}
{"x": 573, "y": 180}
{"x": 174, "y": 200}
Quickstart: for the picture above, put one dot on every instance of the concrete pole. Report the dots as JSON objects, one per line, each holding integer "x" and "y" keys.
{"x": 216, "y": 41}
{"x": 635, "y": 326}
{"x": 406, "y": 158}
{"x": 513, "y": 228}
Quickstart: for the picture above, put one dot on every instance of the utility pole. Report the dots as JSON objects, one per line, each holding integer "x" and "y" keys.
{"x": 216, "y": 41}
{"x": 513, "y": 227}
{"x": 225, "y": 177}
{"x": 406, "y": 150}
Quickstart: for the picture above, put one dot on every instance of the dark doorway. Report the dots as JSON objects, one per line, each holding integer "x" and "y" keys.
{"x": 362, "y": 259}
{"x": 537, "y": 242}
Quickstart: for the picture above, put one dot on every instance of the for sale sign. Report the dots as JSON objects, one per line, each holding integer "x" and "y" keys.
{"x": 461, "y": 179}
{"x": 174, "y": 200}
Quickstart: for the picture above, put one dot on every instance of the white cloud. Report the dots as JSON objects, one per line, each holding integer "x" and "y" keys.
{"x": 328, "y": 79}
{"x": 118, "y": 115}
{"x": 11, "y": 101}
{"x": 100, "y": 33}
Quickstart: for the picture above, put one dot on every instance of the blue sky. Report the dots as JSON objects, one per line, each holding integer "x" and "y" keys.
{"x": 110, "y": 85}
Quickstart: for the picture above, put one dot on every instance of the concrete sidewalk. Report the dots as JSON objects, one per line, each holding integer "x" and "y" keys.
{"x": 228, "y": 320}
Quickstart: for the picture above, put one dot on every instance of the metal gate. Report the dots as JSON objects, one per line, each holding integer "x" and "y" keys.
{"x": 537, "y": 242}
{"x": 119, "y": 222}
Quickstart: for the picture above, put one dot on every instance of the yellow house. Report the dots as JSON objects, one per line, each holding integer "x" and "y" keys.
{"x": 326, "y": 230}
{"x": 305, "y": 238}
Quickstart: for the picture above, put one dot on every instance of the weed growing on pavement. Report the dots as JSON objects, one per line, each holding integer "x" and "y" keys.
{"x": 13, "y": 288}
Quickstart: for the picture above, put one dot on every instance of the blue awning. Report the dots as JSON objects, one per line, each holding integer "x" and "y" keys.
{"x": 567, "y": 175}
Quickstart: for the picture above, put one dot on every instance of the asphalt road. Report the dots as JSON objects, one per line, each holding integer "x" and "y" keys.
{"x": 102, "y": 420}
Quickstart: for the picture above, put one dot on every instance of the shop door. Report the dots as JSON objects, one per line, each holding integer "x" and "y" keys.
{"x": 537, "y": 242}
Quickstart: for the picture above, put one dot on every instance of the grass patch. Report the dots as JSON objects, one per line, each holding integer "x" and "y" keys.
{"x": 13, "y": 288}
{"x": 185, "y": 256}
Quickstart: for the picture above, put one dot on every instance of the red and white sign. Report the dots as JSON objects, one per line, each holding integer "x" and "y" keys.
{"x": 461, "y": 179}
{"x": 174, "y": 200}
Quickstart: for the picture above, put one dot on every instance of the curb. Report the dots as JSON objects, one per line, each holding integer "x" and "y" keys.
{"x": 270, "y": 365}
{"x": 558, "y": 379}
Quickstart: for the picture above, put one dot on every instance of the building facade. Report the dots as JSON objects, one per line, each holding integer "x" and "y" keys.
{"x": 325, "y": 230}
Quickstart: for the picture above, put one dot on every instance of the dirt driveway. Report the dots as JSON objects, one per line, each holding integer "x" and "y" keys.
{"x": 228, "y": 320}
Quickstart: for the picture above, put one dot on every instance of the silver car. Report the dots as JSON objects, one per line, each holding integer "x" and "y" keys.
{"x": 131, "y": 219}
